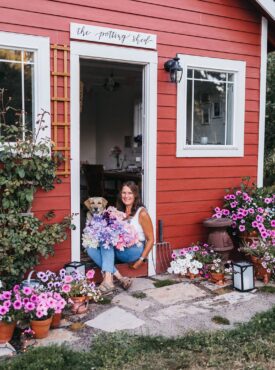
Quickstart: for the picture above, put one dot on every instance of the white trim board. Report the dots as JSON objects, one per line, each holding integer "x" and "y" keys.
{"x": 124, "y": 55}
{"x": 260, "y": 172}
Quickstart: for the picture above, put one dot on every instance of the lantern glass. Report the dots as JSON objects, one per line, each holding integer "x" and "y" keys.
{"x": 75, "y": 266}
{"x": 243, "y": 276}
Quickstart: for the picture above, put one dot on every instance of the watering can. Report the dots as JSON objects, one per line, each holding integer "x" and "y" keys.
{"x": 29, "y": 282}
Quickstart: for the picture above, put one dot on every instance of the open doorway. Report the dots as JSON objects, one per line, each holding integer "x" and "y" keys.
{"x": 111, "y": 129}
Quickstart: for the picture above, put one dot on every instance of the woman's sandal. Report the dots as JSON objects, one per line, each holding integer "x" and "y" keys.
{"x": 106, "y": 288}
{"x": 125, "y": 282}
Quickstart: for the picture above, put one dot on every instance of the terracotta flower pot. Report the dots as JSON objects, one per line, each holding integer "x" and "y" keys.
{"x": 260, "y": 271}
{"x": 41, "y": 327}
{"x": 217, "y": 276}
{"x": 6, "y": 331}
{"x": 56, "y": 320}
{"x": 80, "y": 305}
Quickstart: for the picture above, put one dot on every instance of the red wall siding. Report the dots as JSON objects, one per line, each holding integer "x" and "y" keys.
{"x": 187, "y": 188}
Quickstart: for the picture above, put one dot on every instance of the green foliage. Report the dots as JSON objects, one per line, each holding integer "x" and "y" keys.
{"x": 249, "y": 346}
{"x": 269, "y": 165}
{"x": 139, "y": 295}
{"x": 267, "y": 289}
{"x": 27, "y": 164}
{"x": 166, "y": 282}
{"x": 23, "y": 239}
{"x": 220, "y": 320}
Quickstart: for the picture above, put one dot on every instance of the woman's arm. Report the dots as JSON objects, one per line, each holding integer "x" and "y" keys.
{"x": 147, "y": 226}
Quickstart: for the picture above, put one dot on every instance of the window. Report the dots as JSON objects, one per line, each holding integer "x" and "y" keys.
{"x": 211, "y": 99}
{"x": 25, "y": 77}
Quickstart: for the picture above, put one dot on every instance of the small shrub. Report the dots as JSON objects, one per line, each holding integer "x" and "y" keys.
{"x": 267, "y": 289}
{"x": 139, "y": 295}
{"x": 220, "y": 320}
{"x": 166, "y": 282}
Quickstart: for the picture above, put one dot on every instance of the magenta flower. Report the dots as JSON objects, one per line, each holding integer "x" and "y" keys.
{"x": 6, "y": 294}
{"x": 3, "y": 310}
{"x": 34, "y": 298}
{"x": 272, "y": 223}
{"x": 68, "y": 279}
{"x": 7, "y": 304}
{"x": 27, "y": 290}
{"x": 227, "y": 197}
{"x": 196, "y": 248}
{"x": 254, "y": 224}
{"x": 39, "y": 314}
{"x": 242, "y": 228}
{"x": 90, "y": 274}
{"x": 259, "y": 218}
{"x": 264, "y": 234}
{"x": 232, "y": 196}
{"x": 226, "y": 212}
{"x": 67, "y": 287}
{"x": 17, "y": 305}
{"x": 233, "y": 204}
{"x": 260, "y": 210}
{"x": 268, "y": 200}
{"x": 30, "y": 306}
{"x": 16, "y": 288}
{"x": 217, "y": 209}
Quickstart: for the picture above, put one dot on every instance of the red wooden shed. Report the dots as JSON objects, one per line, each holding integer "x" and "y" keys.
{"x": 98, "y": 67}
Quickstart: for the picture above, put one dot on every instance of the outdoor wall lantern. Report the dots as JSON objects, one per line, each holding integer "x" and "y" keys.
{"x": 175, "y": 69}
{"x": 243, "y": 276}
{"x": 75, "y": 266}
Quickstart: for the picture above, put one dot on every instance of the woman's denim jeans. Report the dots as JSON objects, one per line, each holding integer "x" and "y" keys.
{"x": 105, "y": 258}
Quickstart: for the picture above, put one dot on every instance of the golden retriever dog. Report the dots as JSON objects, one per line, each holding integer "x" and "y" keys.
{"x": 95, "y": 205}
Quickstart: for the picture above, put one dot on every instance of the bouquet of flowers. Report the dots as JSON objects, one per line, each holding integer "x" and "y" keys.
{"x": 251, "y": 209}
{"x": 110, "y": 229}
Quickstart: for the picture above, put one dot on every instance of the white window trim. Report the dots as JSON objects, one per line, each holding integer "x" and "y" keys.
{"x": 223, "y": 65}
{"x": 41, "y": 48}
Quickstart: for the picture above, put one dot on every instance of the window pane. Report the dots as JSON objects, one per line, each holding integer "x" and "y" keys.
{"x": 9, "y": 54}
{"x": 10, "y": 81}
{"x": 29, "y": 96}
{"x": 230, "y": 110}
{"x": 28, "y": 56}
{"x": 189, "y": 113}
{"x": 189, "y": 73}
{"x": 209, "y": 75}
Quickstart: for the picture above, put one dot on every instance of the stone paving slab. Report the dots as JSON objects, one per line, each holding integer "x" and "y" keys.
{"x": 57, "y": 336}
{"x": 172, "y": 294}
{"x": 135, "y": 304}
{"x": 115, "y": 319}
{"x": 226, "y": 299}
{"x": 6, "y": 349}
{"x": 141, "y": 284}
{"x": 178, "y": 311}
{"x": 212, "y": 286}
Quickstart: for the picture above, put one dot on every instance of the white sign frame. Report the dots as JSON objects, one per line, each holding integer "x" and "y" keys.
{"x": 114, "y": 36}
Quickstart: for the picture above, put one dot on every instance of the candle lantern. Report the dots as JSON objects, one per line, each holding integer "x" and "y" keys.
{"x": 243, "y": 276}
{"x": 75, "y": 266}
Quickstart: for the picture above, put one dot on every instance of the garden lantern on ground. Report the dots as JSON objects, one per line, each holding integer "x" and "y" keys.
{"x": 243, "y": 276}
{"x": 75, "y": 266}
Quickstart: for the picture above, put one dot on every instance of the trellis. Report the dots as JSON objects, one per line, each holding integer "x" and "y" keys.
{"x": 61, "y": 104}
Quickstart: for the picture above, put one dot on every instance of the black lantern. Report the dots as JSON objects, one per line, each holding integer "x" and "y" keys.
{"x": 175, "y": 69}
{"x": 243, "y": 276}
{"x": 75, "y": 266}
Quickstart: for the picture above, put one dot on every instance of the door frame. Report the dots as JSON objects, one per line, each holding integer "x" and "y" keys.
{"x": 149, "y": 60}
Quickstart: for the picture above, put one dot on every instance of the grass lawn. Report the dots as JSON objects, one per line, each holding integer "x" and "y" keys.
{"x": 249, "y": 346}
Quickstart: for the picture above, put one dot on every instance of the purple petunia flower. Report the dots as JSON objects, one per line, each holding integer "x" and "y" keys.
{"x": 17, "y": 305}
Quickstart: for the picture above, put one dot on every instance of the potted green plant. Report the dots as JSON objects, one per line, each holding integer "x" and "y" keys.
{"x": 27, "y": 163}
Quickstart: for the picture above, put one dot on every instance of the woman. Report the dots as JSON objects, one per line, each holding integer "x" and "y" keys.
{"x": 130, "y": 203}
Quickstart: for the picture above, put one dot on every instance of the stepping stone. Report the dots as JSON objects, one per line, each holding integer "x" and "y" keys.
{"x": 57, "y": 336}
{"x": 213, "y": 286}
{"x": 135, "y": 304}
{"x": 141, "y": 284}
{"x": 226, "y": 299}
{"x": 177, "y": 311}
{"x": 115, "y": 319}
{"x": 7, "y": 350}
{"x": 172, "y": 294}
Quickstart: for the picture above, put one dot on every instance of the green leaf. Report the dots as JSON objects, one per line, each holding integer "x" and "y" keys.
{"x": 21, "y": 172}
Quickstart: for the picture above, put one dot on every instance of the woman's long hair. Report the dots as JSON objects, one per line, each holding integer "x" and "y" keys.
{"x": 137, "y": 201}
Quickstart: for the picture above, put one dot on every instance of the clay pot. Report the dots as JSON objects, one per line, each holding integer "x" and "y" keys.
{"x": 80, "y": 304}
{"x": 260, "y": 271}
{"x": 217, "y": 276}
{"x": 6, "y": 331}
{"x": 41, "y": 327}
{"x": 56, "y": 320}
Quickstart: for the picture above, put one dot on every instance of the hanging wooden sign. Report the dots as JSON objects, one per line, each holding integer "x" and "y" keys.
{"x": 113, "y": 36}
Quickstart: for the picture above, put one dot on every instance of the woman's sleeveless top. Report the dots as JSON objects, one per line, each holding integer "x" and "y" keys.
{"x": 135, "y": 222}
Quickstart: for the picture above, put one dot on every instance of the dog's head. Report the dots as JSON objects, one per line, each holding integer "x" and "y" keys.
{"x": 96, "y": 205}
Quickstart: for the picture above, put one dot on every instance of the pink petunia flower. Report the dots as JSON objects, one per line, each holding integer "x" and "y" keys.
{"x": 68, "y": 279}
{"x": 66, "y": 288}
{"x": 242, "y": 228}
{"x": 6, "y": 294}
{"x": 17, "y": 305}
{"x": 27, "y": 290}
{"x": 30, "y": 306}
{"x": 3, "y": 310}
{"x": 90, "y": 274}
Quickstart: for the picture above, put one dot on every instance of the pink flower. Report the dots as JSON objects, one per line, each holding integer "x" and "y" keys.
{"x": 233, "y": 204}
{"x": 66, "y": 288}
{"x": 242, "y": 228}
{"x": 27, "y": 290}
{"x": 217, "y": 209}
{"x": 7, "y": 304}
{"x": 90, "y": 274}
{"x": 3, "y": 310}
{"x": 68, "y": 279}
{"x": 272, "y": 223}
{"x": 232, "y": 196}
{"x": 251, "y": 211}
{"x": 173, "y": 255}
{"x": 260, "y": 210}
{"x": 182, "y": 252}
{"x": 33, "y": 298}
{"x": 196, "y": 248}
{"x": 16, "y": 288}
{"x": 254, "y": 224}
{"x": 226, "y": 212}
{"x": 227, "y": 197}
{"x": 264, "y": 234}
{"x": 268, "y": 200}
{"x": 6, "y": 294}
{"x": 259, "y": 218}
{"x": 17, "y": 305}
{"x": 39, "y": 314}
{"x": 30, "y": 306}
